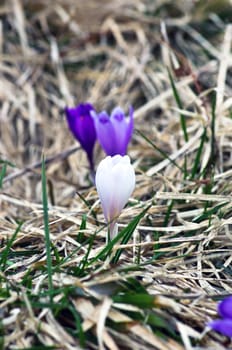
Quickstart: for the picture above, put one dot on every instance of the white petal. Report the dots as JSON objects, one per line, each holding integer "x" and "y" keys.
{"x": 104, "y": 184}
{"x": 124, "y": 179}
{"x": 116, "y": 159}
{"x": 115, "y": 182}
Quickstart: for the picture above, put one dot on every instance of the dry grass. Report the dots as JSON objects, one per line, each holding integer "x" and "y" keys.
{"x": 164, "y": 288}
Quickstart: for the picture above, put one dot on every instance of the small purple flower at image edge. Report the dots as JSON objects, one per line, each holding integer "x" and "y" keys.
{"x": 114, "y": 131}
{"x": 223, "y": 325}
{"x": 82, "y": 126}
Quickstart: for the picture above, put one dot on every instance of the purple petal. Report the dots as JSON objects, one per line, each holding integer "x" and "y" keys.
{"x": 105, "y": 132}
{"x": 82, "y": 126}
{"x": 225, "y": 308}
{"x": 120, "y": 127}
{"x": 123, "y": 127}
{"x": 114, "y": 132}
{"x": 222, "y": 326}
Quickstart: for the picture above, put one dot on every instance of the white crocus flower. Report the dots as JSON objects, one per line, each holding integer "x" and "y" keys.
{"x": 115, "y": 182}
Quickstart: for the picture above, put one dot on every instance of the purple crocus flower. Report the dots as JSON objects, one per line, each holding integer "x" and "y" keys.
{"x": 224, "y": 325}
{"x": 114, "y": 132}
{"x": 82, "y": 127}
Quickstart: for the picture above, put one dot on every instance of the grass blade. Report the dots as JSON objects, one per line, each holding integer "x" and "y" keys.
{"x": 168, "y": 213}
{"x": 2, "y": 173}
{"x": 4, "y": 254}
{"x": 198, "y": 155}
{"x": 164, "y": 154}
{"x": 179, "y": 104}
{"x": 1, "y": 336}
{"x": 142, "y": 300}
{"x": 4, "y": 163}
{"x": 125, "y": 234}
{"x": 214, "y": 150}
{"x": 46, "y": 227}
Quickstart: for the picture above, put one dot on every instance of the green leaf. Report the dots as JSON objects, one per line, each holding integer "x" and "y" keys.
{"x": 180, "y": 105}
{"x": 127, "y": 232}
{"x": 46, "y": 228}
{"x": 81, "y": 236}
{"x": 125, "y": 235}
{"x": 142, "y": 300}
{"x": 164, "y": 154}
{"x": 2, "y": 173}
{"x": 198, "y": 155}
{"x": 6, "y": 251}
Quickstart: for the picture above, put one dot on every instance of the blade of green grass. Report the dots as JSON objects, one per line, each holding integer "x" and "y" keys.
{"x": 84, "y": 261}
{"x": 39, "y": 347}
{"x": 198, "y": 155}
{"x": 213, "y": 140}
{"x": 207, "y": 189}
{"x": 164, "y": 154}
{"x": 4, "y": 163}
{"x": 2, "y": 173}
{"x": 180, "y": 105}
{"x": 185, "y": 167}
{"x": 132, "y": 283}
{"x": 74, "y": 252}
{"x": 208, "y": 213}
{"x": 46, "y": 227}
{"x": 78, "y": 321}
{"x": 1, "y": 336}
{"x": 168, "y": 213}
{"x": 88, "y": 205}
{"x": 81, "y": 236}
{"x": 7, "y": 163}
{"x": 56, "y": 254}
{"x": 157, "y": 322}
{"x": 6, "y": 251}
{"x": 125, "y": 234}
{"x": 142, "y": 300}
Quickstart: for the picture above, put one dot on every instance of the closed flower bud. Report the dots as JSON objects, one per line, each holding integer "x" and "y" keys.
{"x": 82, "y": 127}
{"x": 114, "y": 132}
{"x": 115, "y": 182}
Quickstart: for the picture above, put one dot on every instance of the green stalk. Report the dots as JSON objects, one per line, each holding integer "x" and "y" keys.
{"x": 46, "y": 229}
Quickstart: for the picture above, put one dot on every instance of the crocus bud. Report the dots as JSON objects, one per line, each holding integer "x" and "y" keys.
{"x": 115, "y": 182}
{"x": 114, "y": 132}
{"x": 82, "y": 127}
